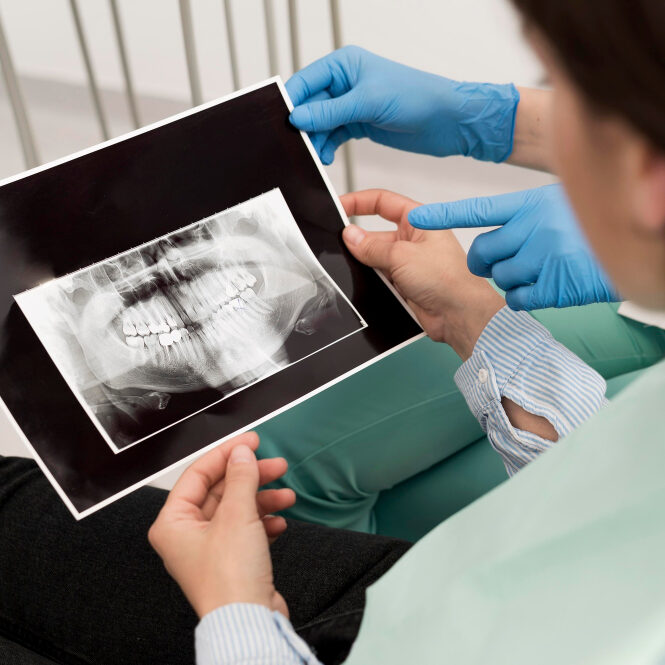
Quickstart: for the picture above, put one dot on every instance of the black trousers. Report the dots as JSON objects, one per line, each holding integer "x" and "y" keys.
{"x": 95, "y": 593}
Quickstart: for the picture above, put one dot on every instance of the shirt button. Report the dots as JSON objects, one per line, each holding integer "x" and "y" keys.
{"x": 483, "y": 375}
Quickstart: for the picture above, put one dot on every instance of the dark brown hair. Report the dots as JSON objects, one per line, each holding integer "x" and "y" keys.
{"x": 614, "y": 51}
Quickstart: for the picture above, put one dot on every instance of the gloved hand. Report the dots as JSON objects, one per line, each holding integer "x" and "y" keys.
{"x": 352, "y": 93}
{"x": 538, "y": 256}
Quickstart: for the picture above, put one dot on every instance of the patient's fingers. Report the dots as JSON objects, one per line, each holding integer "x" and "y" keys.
{"x": 383, "y": 236}
{"x": 275, "y": 526}
{"x": 389, "y": 205}
{"x": 368, "y": 250}
{"x": 192, "y": 488}
{"x": 274, "y": 501}
{"x": 269, "y": 470}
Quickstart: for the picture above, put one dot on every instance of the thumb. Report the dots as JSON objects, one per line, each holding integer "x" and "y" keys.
{"x": 241, "y": 483}
{"x": 371, "y": 251}
{"x": 522, "y": 298}
{"x": 323, "y": 116}
{"x": 468, "y": 213}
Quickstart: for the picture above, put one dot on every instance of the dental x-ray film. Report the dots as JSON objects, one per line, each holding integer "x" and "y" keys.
{"x": 165, "y": 330}
{"x": 168, "y": 289}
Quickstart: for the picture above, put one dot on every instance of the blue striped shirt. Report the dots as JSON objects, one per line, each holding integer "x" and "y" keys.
{"x": 515, "y": 357}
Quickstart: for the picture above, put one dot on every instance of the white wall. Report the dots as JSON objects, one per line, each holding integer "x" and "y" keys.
{"x": 466, "y": 39}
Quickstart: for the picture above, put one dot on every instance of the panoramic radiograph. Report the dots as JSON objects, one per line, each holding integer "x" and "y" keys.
{"x": 214, "y": 306}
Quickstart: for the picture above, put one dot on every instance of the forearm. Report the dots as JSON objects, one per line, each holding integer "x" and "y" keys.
{"x": 531, "y": 141}
{"x": 529, "y": 422}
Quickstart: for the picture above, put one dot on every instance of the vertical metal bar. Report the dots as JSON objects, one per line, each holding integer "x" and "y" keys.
{"x": 295, "y": 35}
{"x": 18, "y": 105}
{"x": 190, "y": 51}
{"x": 231, "y": 40}
{"x": 337, "y": 42}
{"x": 92, "y": 81}
{"x": 271, "y": 38}
{"x": 336, "y": 23}
{"x": 124, "y": 61}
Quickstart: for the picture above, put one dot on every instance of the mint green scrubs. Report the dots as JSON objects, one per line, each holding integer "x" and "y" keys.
{"x": 564, "y": 564}
{"x": 394, "y": 448}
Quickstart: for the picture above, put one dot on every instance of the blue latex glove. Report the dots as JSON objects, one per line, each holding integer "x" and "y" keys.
{"x": 352, "y": 93}
{"x": 538, "y": 256}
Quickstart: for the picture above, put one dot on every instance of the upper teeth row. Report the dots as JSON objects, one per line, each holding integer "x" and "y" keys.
{"x": 238, "y": 282}
{"x": 165, "y": 339}
{"x": 141, "y": 328}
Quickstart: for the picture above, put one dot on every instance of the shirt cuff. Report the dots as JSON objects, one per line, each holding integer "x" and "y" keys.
{"x": 243, "y": 633}
{"x": 516, "y": 357}
{"x": 507, "y": 341}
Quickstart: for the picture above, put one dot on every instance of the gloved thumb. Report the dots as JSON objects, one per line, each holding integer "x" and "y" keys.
{"x": 323, "y": 116}
{"x": 522, "y": 298}
{"x": 372, "y": 251}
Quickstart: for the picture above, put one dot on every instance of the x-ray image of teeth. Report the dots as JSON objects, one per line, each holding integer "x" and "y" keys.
{"x": 163, "y": 331}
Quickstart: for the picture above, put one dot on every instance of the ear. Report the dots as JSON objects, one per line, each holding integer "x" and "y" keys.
{"x": 650, "y": 191}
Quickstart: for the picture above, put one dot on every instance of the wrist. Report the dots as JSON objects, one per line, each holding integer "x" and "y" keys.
{"x": 487, "y": 122}
{"x": 531, "y": 135}
{"x": 463, "y": 325}
{"x": 205, "y": 598}
{"x": 205, "y": 605}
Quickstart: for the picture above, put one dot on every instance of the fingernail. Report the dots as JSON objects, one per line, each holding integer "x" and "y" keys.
{"x": 353, "y": 235}
{"x": 240, "y": 455}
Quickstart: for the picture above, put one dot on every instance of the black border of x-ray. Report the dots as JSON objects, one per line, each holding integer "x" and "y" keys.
{"x": 67, "y": 215}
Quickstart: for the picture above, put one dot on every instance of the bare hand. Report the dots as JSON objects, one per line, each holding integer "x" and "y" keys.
{"x": 428, "y": 269}
{"x": 214, "y": 530}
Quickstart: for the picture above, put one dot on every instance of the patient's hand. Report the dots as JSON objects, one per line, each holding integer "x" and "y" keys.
{"x": 428, "y": 268}
{"x": 214, "y": 529}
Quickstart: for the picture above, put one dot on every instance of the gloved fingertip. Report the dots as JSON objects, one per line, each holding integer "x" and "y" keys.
{"x": 478, "y": 268}
{"x": 517, "y": 301}
{"x": 418, "y": 219}
{"x": 300, "y": 118}
{"x": 327, "y": 156}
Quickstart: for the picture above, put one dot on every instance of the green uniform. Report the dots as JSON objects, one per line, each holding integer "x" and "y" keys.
{"x": 395, "y": 450}
{"x": 563, "y": 564}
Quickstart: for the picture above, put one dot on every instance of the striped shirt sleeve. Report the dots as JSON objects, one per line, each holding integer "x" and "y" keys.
{"x": 247, "y": 634}
{"x": 516, "y": 357}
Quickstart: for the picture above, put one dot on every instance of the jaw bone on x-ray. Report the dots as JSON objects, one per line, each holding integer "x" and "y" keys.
{"x": 216, "y": 305}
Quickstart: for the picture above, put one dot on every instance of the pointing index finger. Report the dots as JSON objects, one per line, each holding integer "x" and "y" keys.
{"x": 468, "y": 213}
